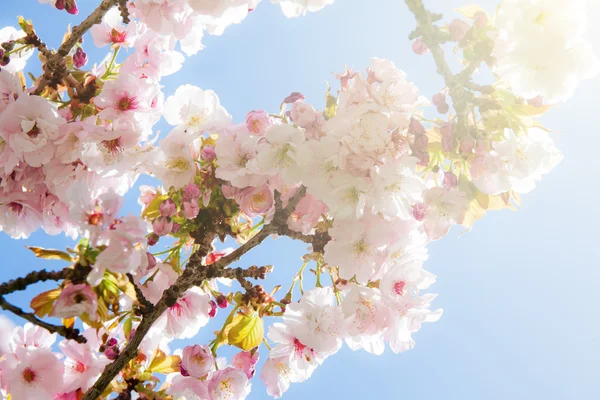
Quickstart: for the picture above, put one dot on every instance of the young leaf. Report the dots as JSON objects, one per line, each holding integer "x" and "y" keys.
{"x": 246, "y": 331}
{"x": 42, "y": 303}
{"x": 50, "y": 254}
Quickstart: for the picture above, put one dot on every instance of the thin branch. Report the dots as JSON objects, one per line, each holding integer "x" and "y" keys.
{"x": 55, "y": 68}
{"x": 145, "y": 304}
{"x": 69, "y": 333}
{"x": 456, "y": 83}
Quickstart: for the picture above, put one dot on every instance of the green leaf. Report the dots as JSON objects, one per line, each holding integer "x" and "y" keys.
{"x": 152, "y": 211}
{"x": 246, "y": 331}
{"x": 50, "y": 254}
{"x": 127, "y": 327}
{"x": 164, "y": 364}
{"x": 330, "y": 104}
{"x": 43, "y": 303}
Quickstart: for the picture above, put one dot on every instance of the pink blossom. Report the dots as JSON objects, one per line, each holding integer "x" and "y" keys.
{"x": 255, "y": 201}
{"x": 128, "y": 96}
{"x": 458, "y": 29}
{"x": 307, "y": 213}
{"x": 167, "y": 208}
{"x": 229, "y": 384}
{"x": 162, "y": 226}
{"x": 10, "y": 89}
{"x": 257, "y": 122}
{"x": 197, "y": 361}
{"x": 82, "y": 366}
{"x": 112, "y": 31}
{"x": 32, "y": 374}
{"x": 75, "y": 300}
{"x": 190, "y": 209}
{"x": 208, "y": 153}
{"x": 31, "y": 336}
{"x": 245, "y": 361}
{"x": 419, "y": 47}
{"x": 191, "y": 192}
{"x": 187, "y": 316}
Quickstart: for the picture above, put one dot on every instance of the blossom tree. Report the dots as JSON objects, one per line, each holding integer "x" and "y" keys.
{"x": 366, "y": 183}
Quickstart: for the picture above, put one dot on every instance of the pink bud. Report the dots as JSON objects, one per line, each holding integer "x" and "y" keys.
{"x": 162, "y": 226}
{"x": 213, "y": 309}
{"x": 448, "y": 144}
{"x": 152, "y": 239}
{"x": 112, "y": 349}
{"x": 467, "y": 144}
{"x": 208, "y": 153}
{"x": 419, "y": 47}
{"x": 419, "y": 211}
{"x": 197, "y": 361}
{"x": 447, "y": 129}
{"x": 222, "y": 301}
{"x": 80, "y": 58}
{"x": 421, "y": 142}
{"x": 168, "y": 208}
{"x": 439, "y": 98}
{"x": 458, "y": 29}
{"x": 176, "y": 227}
{"x": 536, "y": 102}
{"x": 424, "y": 158}
{"x": 293, "y": 97}
{"x": 415, "y": 127}
{"x": 450, "y": 180}
{"x": 443, "y": 108}
{"x": 481, "y": 19}
{"x": 191, "y": 192}
{"x": 190, "y": 209}
{"x": 257, "y": 122}
{"x": 71, "y": 7}
{"x": 245, "y": 361}
{"x": 182, "y": 370}
{"x": 60, "y": 4}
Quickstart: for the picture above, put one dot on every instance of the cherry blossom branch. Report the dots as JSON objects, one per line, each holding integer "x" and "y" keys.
{"x": 55, "y": 69}
{"x": 431, "y": 36}
{"x": 69, "y": 333}
{"x": 194, "y": 275}
{"x": 75, "y": 274}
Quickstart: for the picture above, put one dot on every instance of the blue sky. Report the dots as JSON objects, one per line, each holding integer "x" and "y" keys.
{"x": 520, "y": 291}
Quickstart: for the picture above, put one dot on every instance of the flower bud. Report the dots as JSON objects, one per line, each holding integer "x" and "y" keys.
{"x": 222, "y": 301}
{"x": 450, "y": 180}
{"x": 191, "y": 192}
{"x": 419, "y": 211}
{"x": 293, "y": 97}
{"x": 8, "y": 46}
{"x": 162, "y": 226}
{"x": 4, "y": 61}
{"x": 467, "y": 144}
{"x": 257, "y": 122}
{"x": 419, "y": 47}
{"x": 443, "y": 108}
{"x": 213, "y": 309}
{"x": 439, "y": 98}
{"x": 208, "y": 153}
{"x": 60, "y": 4}
{"x": 71, "y": 7}
{"x": 167, "y": 208}
{"x": 480, "y": 20}
{"x": 415, "y": 127}
{"x": 111, "y": 352}
{"x": 421, "y": 142}
{"x": 448, "y": 144}
{"x": 176, "y": 227}
{"x": 458, "y": 29}
{"x": 197, "y": 361}
{"x": 152, "y": 239}
{"x": 190, "y": 209}
{"x": 536, "y": 102}
{"x": 79, "y": 58}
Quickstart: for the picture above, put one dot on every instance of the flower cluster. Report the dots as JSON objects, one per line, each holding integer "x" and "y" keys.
{"x": 367, "y": 182}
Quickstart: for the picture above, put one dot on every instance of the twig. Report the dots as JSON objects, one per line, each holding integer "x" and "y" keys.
{"x": 55, "y": 69}
{"x": 146, "y": 305}
{"x": 69, "y": 333}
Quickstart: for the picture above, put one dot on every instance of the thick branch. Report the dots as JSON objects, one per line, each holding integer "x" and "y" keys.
{"x": 195, "y": 273}
{"x": 69, "y": 333}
